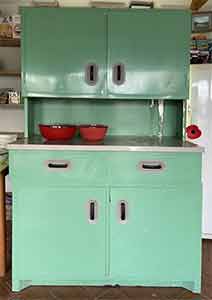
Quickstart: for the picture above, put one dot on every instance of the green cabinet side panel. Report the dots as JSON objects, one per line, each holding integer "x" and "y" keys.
{"x": 57, "y": 45}
{"x": 160, "y": 240}
{"x": 53, "y": 238}
{"x": 153, "y": 46}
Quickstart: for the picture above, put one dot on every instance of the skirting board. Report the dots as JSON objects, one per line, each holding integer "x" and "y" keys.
{"x": 207, "y": 236}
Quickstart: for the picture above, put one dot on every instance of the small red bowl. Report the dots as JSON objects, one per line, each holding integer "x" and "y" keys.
{"x": 57, "y": 131}
{"x": 93, "y": 133}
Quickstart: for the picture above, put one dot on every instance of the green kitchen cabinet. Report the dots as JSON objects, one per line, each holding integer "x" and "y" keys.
{"x": 126, "y": 211}
{"x": 151, "y": 50}
{"x": 99, "y": 218}
{"x": 61, "y": 55}
{"x": 59, "y": 233}
{"x": 161, "y": 222}
{"x": 124, "y": 54}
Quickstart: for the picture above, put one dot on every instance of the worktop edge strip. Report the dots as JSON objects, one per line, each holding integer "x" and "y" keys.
{"x": 105, "y": 148}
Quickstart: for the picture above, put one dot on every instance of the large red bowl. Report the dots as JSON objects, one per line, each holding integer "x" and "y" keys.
{"x": 57, "y": 132}
{"x": 93, "y": 133}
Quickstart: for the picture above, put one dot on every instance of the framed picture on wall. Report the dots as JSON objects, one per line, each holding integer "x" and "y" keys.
{"x": 202, "y": 22}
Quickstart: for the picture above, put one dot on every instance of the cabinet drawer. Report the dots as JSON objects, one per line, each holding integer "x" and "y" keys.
{"x": 154, "y": 168}
{"x": 57, "y": 168}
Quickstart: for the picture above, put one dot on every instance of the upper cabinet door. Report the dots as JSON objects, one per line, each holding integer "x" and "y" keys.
{"x": 63, "y": 52}
{"x": 148, "y": 54}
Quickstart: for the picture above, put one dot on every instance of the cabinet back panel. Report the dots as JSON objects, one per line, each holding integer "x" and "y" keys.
{"x": 142, "y": 118}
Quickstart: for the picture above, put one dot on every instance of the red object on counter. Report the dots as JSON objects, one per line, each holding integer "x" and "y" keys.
{"x": 193, "y": 132}
{"x": 93, "y": 133}
{"x": 57, "y": 132}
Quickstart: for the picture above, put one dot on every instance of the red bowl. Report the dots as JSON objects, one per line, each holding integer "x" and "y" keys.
{"x": 93, "y": 133}
{"x": 57, "y": 132}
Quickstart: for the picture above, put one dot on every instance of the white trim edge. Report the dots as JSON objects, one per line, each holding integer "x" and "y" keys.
{"x": 207, "y": 236}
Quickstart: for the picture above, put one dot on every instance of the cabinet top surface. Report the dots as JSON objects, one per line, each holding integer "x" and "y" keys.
{"x": 111, "y": 143}
{"x": 126, "y": 9}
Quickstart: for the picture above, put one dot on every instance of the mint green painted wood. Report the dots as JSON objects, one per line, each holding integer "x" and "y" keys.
{"x": 22, "y": 284}
{"x": 53, "y": 239}
{"x": 179, "y": 168}
{"x": 83, "y": 168}
{"x": 56, "y": 48}
{"x": 54, "y": 244}
{"x": 160, "y": 240}
{"x": 129, "y": 117}
{"x": 26, "y": 118}
{"x": 153, "y": 45}
{"x": 100, "y": 168}
{"x": 155, "y": 56}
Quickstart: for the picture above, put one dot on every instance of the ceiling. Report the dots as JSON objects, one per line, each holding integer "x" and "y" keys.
{"x": 181, "y": 3}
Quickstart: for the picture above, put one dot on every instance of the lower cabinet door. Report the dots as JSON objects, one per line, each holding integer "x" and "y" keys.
{"x": 59, "y": 234}
{"x": 156, "y": 234}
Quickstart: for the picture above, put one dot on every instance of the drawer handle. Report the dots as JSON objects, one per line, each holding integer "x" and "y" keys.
{"x": 92, "y": 211}
{"x": 151, "y": 166}
{"x": 123, "y": 212}
{"x": 58, "y": 165}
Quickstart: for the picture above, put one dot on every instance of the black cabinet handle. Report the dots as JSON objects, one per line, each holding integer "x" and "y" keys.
{"x": 92, "y": 211}
{"x": 91, "y": 74}
{"x": 58, "y": 165}
{"x": 119, "y": 75}
{"x": 152, "y": 166}
{"x": 123, "y": 211}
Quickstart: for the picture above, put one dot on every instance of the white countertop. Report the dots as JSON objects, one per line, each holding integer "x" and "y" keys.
{"x": 111, "y": 143}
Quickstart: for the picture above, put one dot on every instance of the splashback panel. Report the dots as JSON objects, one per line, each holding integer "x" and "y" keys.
{"x": 140, "y": 118}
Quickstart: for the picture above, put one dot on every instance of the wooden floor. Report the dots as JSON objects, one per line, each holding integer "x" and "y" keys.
{"x": 110, "y": 293}
{"x": 207, "y": 268}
